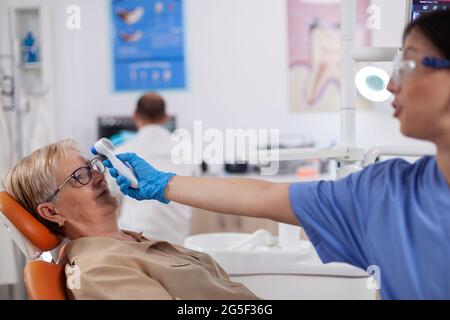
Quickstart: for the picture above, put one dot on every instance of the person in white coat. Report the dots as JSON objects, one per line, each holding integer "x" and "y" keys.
{"x": 153, "y": 142}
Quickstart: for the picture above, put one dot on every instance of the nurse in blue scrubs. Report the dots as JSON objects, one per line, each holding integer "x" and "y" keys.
{"x": 394, "y": 215}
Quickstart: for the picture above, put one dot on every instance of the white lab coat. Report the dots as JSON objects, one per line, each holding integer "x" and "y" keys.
{"x": 170, "y": 222}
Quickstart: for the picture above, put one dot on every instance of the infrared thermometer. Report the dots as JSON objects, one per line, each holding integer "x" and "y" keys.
{"x": 106, "y": 148}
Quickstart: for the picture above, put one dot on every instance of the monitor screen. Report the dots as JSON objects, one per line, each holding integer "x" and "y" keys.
{"x": 121, "y": 129}
{"x": 420, "y": 7}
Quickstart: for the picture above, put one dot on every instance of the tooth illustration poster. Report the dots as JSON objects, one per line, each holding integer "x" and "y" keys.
{"x": 314, "y": 53}
{"x": 148, "y": 37}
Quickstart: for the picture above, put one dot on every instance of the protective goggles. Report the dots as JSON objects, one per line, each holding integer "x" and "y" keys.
{"x": 404, "y": 69}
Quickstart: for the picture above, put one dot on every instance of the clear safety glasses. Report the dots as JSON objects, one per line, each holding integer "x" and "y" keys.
{"x": 404, "y": 69}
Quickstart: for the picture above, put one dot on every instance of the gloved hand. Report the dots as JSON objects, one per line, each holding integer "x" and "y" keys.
{"x": 151, "y": 182}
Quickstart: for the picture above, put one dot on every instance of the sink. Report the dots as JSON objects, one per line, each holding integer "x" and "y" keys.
{"x": 272, "y": 273}
{"x": 263, "y": 259}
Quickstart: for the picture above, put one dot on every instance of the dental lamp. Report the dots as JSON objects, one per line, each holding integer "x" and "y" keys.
{"x": 371, "y": 83}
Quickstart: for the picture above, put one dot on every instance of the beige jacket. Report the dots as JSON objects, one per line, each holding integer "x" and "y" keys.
{"x": 147, "y": 269}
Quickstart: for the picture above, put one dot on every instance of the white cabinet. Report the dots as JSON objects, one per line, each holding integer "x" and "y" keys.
{"x": 34, "y": 78}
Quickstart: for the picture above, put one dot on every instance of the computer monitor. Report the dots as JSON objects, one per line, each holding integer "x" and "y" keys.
{"x": 416, "y": 8}
{"x": 120, "y": 129}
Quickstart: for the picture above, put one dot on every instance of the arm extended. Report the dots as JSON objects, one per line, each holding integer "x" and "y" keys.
{"x": 245, "y": 197}
{"x": 252, "y": 198}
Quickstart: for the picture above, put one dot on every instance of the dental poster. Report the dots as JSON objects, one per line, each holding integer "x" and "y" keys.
{"x": 314, "y": 53}
{"x": 148, "y": 44}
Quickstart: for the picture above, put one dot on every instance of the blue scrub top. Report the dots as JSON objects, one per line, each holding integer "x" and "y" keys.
{"x": 394, "y": 215}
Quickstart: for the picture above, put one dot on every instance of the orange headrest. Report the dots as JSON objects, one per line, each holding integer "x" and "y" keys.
{"x": 38, "y": 234}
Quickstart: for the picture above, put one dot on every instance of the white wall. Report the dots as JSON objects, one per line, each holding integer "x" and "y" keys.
{"x": 237, "y": 72}
{"x": 8, "y": 269}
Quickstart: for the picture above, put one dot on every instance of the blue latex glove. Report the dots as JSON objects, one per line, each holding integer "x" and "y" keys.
{"x": 151, "y": 182}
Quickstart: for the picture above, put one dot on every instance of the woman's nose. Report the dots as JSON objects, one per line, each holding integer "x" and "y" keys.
{"x": 392, "y": 86}
{"x": 97, "y": 177}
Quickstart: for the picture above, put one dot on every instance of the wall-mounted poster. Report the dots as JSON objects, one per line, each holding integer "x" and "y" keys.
{"x": 148, "y": 44}
{"x": 314, "y": 52}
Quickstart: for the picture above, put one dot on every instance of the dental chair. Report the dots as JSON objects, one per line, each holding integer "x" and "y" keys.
{"x": 43, "y": 280}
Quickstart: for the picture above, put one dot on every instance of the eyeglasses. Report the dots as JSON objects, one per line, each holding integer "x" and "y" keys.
{"x": 82, "y": 175}
{"x": 404, "y": 69}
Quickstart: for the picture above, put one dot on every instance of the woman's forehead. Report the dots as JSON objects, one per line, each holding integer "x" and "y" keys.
{"x": 416, "y": 44}
{"x": 72, "y": 161}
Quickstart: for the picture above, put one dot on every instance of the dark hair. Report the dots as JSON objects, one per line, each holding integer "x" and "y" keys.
{"x": 436, "y": 27}
{"x": 151, "y": 107}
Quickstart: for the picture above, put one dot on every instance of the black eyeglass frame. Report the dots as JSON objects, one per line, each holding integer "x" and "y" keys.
{"x": 89, "y": 169}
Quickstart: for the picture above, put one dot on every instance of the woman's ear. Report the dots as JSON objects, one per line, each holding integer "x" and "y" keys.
{"x": 49, "y": 212}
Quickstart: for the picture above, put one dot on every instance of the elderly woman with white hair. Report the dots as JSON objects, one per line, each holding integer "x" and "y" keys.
{"x": 70, "y": 196}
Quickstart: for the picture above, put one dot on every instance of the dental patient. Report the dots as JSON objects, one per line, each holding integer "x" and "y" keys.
{"x": 71, "y": 197}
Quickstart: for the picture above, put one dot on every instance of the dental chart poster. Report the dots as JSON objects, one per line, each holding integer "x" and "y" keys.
{"x": 148, "y": 45}
{"x": 314, "y": 53}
